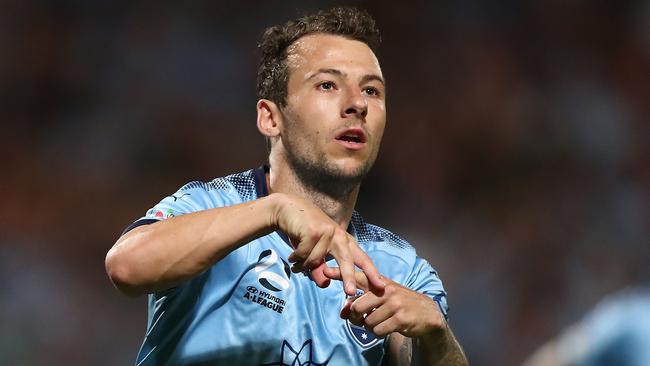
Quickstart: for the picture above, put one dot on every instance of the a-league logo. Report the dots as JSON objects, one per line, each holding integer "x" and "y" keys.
{"x": 273, "y": 274}
{"x": 273, "y": 281}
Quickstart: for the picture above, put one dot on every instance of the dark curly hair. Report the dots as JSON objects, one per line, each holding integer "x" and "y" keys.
{"x": 273, "y": 71}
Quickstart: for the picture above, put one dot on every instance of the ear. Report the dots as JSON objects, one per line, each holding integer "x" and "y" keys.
{"x": 269, "y": 118}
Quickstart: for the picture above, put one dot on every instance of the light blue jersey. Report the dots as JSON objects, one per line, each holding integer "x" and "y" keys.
{"x": 249, "y": 309}
{"x": 616, "y": 332}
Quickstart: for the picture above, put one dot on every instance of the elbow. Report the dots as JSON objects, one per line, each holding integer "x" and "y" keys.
{"x": 122, "y": 273}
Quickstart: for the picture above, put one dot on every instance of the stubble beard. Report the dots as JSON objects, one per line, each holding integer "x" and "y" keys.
{"x": 319, "y": 174}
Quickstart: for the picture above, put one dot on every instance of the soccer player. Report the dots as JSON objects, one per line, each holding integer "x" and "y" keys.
{"x": 273, "y": 266}
{"x": 615, "y": 332}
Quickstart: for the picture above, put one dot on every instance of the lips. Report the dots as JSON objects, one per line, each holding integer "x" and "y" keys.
{"x": 352, "y": 135}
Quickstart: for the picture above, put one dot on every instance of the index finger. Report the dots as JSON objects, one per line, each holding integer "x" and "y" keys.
{"x": 363, "y": 261}
{"x": 334, "y": 273}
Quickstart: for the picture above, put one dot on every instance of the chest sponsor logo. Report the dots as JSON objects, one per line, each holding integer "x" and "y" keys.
{"x": 263, "y": 298}
{"x": 273, "y": 276}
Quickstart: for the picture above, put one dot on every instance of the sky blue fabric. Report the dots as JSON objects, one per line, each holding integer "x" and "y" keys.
{"x": 249, "y": 309}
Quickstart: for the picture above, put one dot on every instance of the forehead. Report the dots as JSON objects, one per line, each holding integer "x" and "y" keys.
{"x": 317, "y": 51}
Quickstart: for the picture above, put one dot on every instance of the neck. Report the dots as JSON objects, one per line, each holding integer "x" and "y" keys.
{"x": 338, "y": 204}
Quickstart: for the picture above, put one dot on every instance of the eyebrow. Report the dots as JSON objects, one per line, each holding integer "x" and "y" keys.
{"x": 364, "y": 78}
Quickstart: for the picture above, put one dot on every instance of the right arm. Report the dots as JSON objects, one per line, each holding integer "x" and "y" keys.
{"x": 162, "y": 255}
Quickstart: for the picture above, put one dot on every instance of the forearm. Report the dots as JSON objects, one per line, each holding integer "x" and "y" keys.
{"x": 437, "y": 349}
{"x": 161, "y": 255}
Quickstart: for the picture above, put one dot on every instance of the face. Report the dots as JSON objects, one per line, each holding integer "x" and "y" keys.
{"x": 335, "y": 115}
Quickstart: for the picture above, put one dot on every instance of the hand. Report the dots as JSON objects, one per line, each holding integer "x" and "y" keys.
{"x": 314, "y": 236}
{"x": 393, "y": 309}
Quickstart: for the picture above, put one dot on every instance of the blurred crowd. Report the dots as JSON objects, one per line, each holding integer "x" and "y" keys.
{"x": 516, "y": 157}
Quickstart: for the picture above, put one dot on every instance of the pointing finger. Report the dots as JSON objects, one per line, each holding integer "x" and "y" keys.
{"x": 334, "y": 273}
{"x": 348, "y": 276}
{"x": 364, "y": 262}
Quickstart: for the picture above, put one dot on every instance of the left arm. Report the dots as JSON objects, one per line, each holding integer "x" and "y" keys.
{"x": 419, "y": 333}
{"x": 444, "y": 350}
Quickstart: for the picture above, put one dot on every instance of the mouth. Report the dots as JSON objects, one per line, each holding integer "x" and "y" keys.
{"x": 352, "y": 136}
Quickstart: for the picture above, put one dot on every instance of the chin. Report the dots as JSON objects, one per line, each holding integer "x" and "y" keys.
{"x": 353, "y": 170}
{"x": 334, "y": 176}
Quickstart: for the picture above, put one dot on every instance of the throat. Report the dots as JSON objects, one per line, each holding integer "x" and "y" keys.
{"x": 338, "y": 204}
{"x": 338, "y": 210}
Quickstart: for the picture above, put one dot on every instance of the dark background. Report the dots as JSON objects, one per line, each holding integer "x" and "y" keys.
{"x": 516, "y": 156}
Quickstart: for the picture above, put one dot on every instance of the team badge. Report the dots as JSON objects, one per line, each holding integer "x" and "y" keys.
{"x": 361, "y": 336}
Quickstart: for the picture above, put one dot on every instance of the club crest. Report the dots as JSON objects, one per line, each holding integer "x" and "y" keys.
{"x": 361, "y": 335}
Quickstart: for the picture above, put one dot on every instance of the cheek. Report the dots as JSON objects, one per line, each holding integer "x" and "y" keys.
{"x": 378, "y": 107}
{"x": 319, "y": 117}
{"x": 303, "y": 125}
{"x": 324, "y": 109}
{"x": 378, "y": 121}
{"x": 314, "y": 116}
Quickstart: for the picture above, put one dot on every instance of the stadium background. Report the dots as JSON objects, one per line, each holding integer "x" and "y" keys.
{"x": 516, "y": 157}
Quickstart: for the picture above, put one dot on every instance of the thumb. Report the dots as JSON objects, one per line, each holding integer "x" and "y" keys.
{"x": 318, "y": 276}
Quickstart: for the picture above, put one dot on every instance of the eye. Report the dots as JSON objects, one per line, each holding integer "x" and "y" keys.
{"x": 326, "y": 85}
{"x": 369, "y": 90}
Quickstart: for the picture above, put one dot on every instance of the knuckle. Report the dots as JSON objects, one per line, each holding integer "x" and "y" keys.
{"x": 370, "y": 322}
{"x": 313, "y": 263}
{"x": 313, "y": 229}
{"x": 397, "y": 302}
{"x": 356, "y": 307}
{"x": 402, "y": 318}
{"x": 390, "y": 289}
{"x": 353, "y": 308}
{"x": 379, "y": 331}
{"x": 346, "y": 269}
{"x": 356, "y": 319}
{"x": 299, "y": 256}
{"x": 399, "y": 317}
{"x": 339, "y": 236}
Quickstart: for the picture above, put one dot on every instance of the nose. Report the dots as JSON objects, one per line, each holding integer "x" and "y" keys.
{"x": 356, "y": 104}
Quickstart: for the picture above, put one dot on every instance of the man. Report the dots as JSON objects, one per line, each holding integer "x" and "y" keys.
{"x": 214, "y": 257}
{"x": 615, "y": 332}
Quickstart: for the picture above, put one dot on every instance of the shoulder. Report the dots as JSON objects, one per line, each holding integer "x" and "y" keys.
{"x": 374, "y": 239}
{"x": 368, "y": 233}
{"x": 198, "y": 195}
{"x": 242, "y": 184}
{"x": 230, "y": 189}
{"x": 396, "y": 258}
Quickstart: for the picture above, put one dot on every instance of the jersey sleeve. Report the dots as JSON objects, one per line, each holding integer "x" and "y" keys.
{"x": 192, "y": 197}
{"x": 425, "y": 280}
